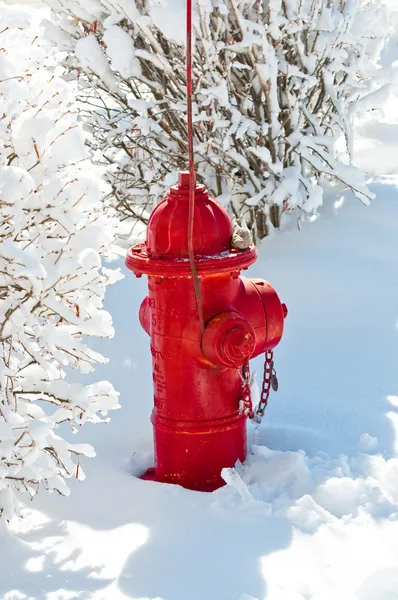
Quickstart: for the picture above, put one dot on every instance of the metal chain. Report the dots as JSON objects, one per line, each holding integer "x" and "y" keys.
{"x": 245, "y": 403}
{"x": 269, "y": 381}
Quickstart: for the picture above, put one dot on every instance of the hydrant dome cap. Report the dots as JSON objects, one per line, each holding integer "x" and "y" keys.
{"x": 167, "y": 233}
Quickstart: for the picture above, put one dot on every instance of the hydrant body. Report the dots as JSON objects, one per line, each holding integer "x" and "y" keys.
{"x": 197, "y": 376}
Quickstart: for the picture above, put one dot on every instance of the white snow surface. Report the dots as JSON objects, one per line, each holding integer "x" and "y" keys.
{"x": 313, "y": 512}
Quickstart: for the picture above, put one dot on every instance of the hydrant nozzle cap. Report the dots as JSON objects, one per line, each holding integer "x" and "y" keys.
{"x": 228, "y": 340}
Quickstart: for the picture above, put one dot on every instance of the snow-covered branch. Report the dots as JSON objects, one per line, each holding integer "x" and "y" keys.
{"x": 276, "y": 83}
{"x": 53, "y": 232}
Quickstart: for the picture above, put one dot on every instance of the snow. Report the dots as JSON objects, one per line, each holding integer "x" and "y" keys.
{"x": 175, "y": 27}
{"x": 317, "y": 497}
{"x": 375, "y": 149}
{"x": 313, "y": 512}
{"x": 91, "y": 56}
{"x": 52, "y": 282}
{"x": 120, "y": 49}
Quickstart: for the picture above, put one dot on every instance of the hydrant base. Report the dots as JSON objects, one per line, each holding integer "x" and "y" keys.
{"x": 150, "y": 475}
{"x": 192, "y": 454}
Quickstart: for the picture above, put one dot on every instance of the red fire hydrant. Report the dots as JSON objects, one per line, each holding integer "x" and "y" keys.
{"x": 198, "y": 427}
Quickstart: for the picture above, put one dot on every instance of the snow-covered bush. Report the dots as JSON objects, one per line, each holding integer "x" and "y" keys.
{"x": 276, "y": 83}
{"x": 52, "y": 284}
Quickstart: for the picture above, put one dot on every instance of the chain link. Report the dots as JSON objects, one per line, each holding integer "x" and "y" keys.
{"x": 245, "y": 403}
{"x": 269, "y": 381}
{"x": 268, "y": 378}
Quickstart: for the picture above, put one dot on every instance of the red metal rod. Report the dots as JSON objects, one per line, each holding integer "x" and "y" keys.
{"x": 192, "y": 177}
{"x": 189, "y": 93}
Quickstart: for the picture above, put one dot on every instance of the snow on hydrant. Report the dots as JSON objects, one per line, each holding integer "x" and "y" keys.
{"x": 201, "y": 357}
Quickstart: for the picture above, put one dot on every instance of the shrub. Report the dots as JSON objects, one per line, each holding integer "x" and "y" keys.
{"x": 52, "y": 235}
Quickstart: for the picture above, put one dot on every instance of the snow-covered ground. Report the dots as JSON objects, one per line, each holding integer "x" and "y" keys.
{"x": 316, "y": 514}
{"x": 313, "y": 513}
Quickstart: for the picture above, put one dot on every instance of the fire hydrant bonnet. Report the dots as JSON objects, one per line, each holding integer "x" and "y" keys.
{"x": 166, "y": 235}
{"x": 165, "y": 252}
